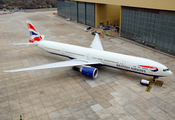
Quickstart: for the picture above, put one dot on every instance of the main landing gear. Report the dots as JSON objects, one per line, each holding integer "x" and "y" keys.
{"x": 154, "y": 79}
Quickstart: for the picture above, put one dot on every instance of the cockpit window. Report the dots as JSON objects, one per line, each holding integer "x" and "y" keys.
{"x": 165, "y": 70}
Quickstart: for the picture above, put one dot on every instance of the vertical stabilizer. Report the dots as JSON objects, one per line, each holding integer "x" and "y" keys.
{"x": 96, "y": 43}
{"x": 35, "y": 35}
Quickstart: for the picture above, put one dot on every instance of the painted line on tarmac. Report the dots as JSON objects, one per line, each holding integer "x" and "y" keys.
{"x": 144, "y": 53}
{"x": 126, "y": 72}
{"x": 168, "y": 61}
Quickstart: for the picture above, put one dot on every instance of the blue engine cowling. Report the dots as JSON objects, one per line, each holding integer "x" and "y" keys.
{"x": 89, "y": 71}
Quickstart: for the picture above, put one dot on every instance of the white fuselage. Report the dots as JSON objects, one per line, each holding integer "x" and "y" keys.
{"x": 116, "y": 60}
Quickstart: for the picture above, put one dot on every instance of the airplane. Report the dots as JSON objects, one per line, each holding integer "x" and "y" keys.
{"x": 83, "y": 59}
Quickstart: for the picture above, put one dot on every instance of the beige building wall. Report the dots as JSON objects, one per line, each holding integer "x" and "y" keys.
{"x": 154, "y": 4}
{"x": 107, "y": 14}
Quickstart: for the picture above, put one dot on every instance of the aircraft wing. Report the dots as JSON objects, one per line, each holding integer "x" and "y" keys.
{"x": 55, "y": 65}
{"x": 96, "y": 43}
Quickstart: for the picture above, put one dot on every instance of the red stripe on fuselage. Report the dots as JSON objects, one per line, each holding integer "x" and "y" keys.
{"x": 148, "y": 67}
{"x": 31, "y": 27}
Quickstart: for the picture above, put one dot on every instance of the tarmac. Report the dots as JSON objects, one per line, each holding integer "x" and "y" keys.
{"x": 63, "y": 94}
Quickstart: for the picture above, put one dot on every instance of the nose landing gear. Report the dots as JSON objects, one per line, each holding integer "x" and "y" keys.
{"x": 154, "y": 79}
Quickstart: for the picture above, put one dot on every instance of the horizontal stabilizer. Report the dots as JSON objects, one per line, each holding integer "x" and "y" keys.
{"x": 24, "y": 43}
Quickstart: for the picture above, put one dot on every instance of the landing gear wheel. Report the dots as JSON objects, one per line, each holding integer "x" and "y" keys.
{"x": 76, "y": 68}
{"x": 154, "y": 79}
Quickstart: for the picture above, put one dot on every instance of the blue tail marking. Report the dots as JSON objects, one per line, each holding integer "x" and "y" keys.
{"x": 32, "y": 33}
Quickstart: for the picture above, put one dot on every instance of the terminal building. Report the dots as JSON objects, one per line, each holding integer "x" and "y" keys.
{"x": 145, "y": 21}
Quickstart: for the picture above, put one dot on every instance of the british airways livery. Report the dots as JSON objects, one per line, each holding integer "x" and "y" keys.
{"x": 82, "y": 59}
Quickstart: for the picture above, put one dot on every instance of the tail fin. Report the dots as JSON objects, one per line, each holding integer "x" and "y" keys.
{"x": 35, "y": 35}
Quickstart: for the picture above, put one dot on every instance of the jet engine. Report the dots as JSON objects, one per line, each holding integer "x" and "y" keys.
{"x": 87, "y": 71}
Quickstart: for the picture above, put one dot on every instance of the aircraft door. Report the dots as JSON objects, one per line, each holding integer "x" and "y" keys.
{"x": 123, "y": 63}
{"x": 87, "y": 56}
{"x": 63, "y": 51}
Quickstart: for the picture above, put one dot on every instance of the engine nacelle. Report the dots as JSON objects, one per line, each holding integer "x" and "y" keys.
{"x": 87, "y": 71}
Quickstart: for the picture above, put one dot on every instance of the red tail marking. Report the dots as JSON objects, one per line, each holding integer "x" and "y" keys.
{"x": 35, "y": 39}
{"x": 31, "y": 27}
{"x": 31, "y": 41}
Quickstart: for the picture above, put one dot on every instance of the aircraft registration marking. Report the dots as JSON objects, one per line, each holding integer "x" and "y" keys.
{"x": 168, "y": 61}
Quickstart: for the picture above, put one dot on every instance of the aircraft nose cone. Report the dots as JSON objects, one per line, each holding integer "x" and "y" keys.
{"x": 171, "y": 73}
